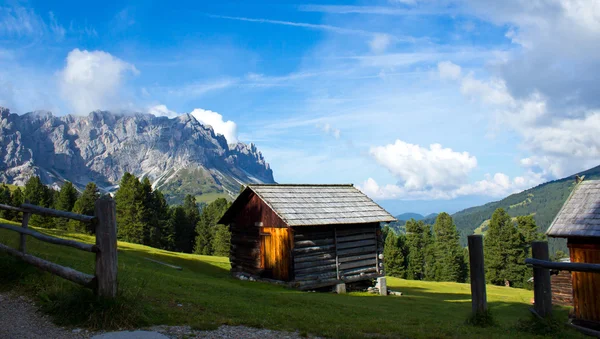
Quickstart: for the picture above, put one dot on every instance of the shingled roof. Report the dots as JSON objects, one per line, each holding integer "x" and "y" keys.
{"x": 580, "y": 215}
{"x": 309, "y": 205}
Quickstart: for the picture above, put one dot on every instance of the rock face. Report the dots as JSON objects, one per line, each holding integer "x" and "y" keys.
{"x": 179, "y": 154}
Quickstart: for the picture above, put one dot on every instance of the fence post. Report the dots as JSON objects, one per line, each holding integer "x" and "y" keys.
{"x": 478, "y": 292}
{"x": 542, "y": 291}
{"x": 23, "y": 237}
{"x": 106, "y": 241}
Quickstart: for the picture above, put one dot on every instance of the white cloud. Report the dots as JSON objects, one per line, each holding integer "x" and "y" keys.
{"x": 328, "y": 129}
{"x": 380, "y": 42}
{"x": 25, "y": 22}
{"x": 420, "y": 168}
{"x": 162, "y": 111}
{"x": 226, "y": 128}
{"x": 449, "y": 70}
{"x": 92, "y": 80}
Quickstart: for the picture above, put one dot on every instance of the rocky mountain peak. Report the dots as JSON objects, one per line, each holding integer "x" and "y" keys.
{"x": 177, "y": 154}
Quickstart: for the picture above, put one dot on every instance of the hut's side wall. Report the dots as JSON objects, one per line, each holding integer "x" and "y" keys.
{"x": 586, "y": 286}
{"x": 562, "y": 289}
{"x": 327, "y": 255}
{"x": 246, "y": 249}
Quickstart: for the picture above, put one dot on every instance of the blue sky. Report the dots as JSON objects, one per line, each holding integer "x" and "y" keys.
{"x": 425, "y": 105}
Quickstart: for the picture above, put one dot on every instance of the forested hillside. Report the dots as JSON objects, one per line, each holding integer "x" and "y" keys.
{"x": 543, "y": 202}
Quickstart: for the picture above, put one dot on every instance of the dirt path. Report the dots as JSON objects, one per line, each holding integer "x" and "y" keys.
{"x": 20, "y": 319}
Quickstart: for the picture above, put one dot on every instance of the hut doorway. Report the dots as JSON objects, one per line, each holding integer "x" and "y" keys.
{"x": 275, "y": 244}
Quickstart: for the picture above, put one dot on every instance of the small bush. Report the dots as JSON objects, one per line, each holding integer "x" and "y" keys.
{"x": 541, "y": 326}
{"x": 80, "y": 307}
{"x": 482, "y": 319}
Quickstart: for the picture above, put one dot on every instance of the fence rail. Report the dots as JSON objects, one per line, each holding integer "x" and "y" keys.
{"x": 104, "y": 282}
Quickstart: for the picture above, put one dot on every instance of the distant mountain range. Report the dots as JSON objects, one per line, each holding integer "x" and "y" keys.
{"x": 179, "y": 155}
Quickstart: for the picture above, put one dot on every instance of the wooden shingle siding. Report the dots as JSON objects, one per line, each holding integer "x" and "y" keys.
{"x": 580, "y": 215}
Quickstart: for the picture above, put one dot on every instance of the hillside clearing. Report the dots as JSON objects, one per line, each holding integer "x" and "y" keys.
{"x": 204, "y": 296}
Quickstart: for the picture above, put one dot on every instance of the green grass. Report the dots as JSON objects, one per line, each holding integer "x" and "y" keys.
{"x": 204, "y": 296}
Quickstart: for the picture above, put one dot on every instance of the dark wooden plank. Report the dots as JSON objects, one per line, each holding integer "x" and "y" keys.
{"x": 355, "y": 271}
{"x": 11, "y": 208}
{"x": 355, "y": 258}
{"x": 315, "y": 269}
{"x": 355, "y": 231}
{"x": 363, "y": 236}
{"x": 311, "y": 243}
{"x": 61, "y": 271}
{"x": 321, "y": 276}
{"x": 55, "y": 213}
{"x": 23, "y": 237}
{"x": 363, "y": 263}
{"x": 477, "y": 269}
{"x": 362, "y": 243}
{"x": 302, "y": 235}
{"x": 309, "y": 285}
{"x": 359, "y": 277}
{"x": 308, "y": 258}
{"x": 358, "y": 250}
{"x": 313, "y": 249}
{"x": 542, "y": 291}
{"x": 106, "y": 241}
{"x": 51, "y": 239}
{"x": 564, "y": 266}
{"x": 315, "y": 263}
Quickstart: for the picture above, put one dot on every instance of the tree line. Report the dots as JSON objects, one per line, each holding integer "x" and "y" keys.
{"x": 143, "y": 215}
{"x": 434, "y": 253}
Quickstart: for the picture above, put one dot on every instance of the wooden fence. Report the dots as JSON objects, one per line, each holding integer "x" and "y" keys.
{"x": 104, "y": 221}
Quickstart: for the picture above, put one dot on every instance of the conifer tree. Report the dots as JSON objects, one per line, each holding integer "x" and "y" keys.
{"x": 181, "y": 226}
{"x": 206, "y": 226}
{"x": 449, "y": 255}
{"x": 5, "y": 199}
{"x": 221, "y": 242}
{"x": 393, "y": 255}
{"x": 129, "y": 200}
{"x": 85, "y": 205}
{"x": 417, "y": 242}
{"x": 429, "y": 251}
{"x": 66, "y": 200}
{"x": 16, "y": 199}
{"x": 39, "y": 194}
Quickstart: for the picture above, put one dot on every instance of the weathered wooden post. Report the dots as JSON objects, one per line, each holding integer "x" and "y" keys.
{"x": 106, "y": 241}
{"x": 542, "y": 291}
{"x": 478, "y": 292}
{"x": 23, "y": 237}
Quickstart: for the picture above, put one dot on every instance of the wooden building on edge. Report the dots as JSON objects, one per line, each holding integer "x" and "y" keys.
{"x": 309, "y": 236}
{"x": 579, "y": 222}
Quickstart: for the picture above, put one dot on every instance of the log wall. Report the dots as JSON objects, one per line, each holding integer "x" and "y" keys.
{"x": 562, "y": 288}
{"x": 332, "y": 254}
{"x": 586, "y": 285}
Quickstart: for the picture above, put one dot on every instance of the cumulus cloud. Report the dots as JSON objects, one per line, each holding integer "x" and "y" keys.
{"x": 449, "y": 70}
{"x": 92, "y": 80}
{"x": 226, "y": 128}
{"x": 162, "y": 111}
{"x": 419, "y": 168}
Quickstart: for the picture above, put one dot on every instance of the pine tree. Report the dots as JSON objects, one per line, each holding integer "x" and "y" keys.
{"x": 185, "y": 232}
{"x": 393, "y": 255}
{"x": 206, "y": 226}
{"x": 129, "y": 200}
{"x": 16, "y": 199}
{"x": 221, "y": 242}
{"x": 85, "y": 205}
{"x": 417, "y": 242}
{"x": 429, "y": 251}
{"x": 449, "y": 255}
{"x": 66, "y": 200}
{"x": 37, "y": 193}
{"x": 181, "y": 227}
{"x": 5, "y": 199}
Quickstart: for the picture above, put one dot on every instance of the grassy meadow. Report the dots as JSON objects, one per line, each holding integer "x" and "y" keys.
{"x": 204, "y": 296}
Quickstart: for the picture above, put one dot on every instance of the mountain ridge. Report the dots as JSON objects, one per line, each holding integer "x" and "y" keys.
{"x": 103, "y": 145}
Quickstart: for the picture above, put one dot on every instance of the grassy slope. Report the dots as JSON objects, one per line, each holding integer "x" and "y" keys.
{"x": 209, "y": 297}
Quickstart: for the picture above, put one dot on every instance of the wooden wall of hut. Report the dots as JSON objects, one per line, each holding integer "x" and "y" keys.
{"x": 586, "y": 286}
{"x": 327, "y": 255}
{"x": 562, "y": 288}
{"x": 245, "y": 255}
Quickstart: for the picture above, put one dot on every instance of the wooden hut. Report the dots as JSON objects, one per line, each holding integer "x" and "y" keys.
{"x": 308, "y": 236}
{"x": 579, "y": 222}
